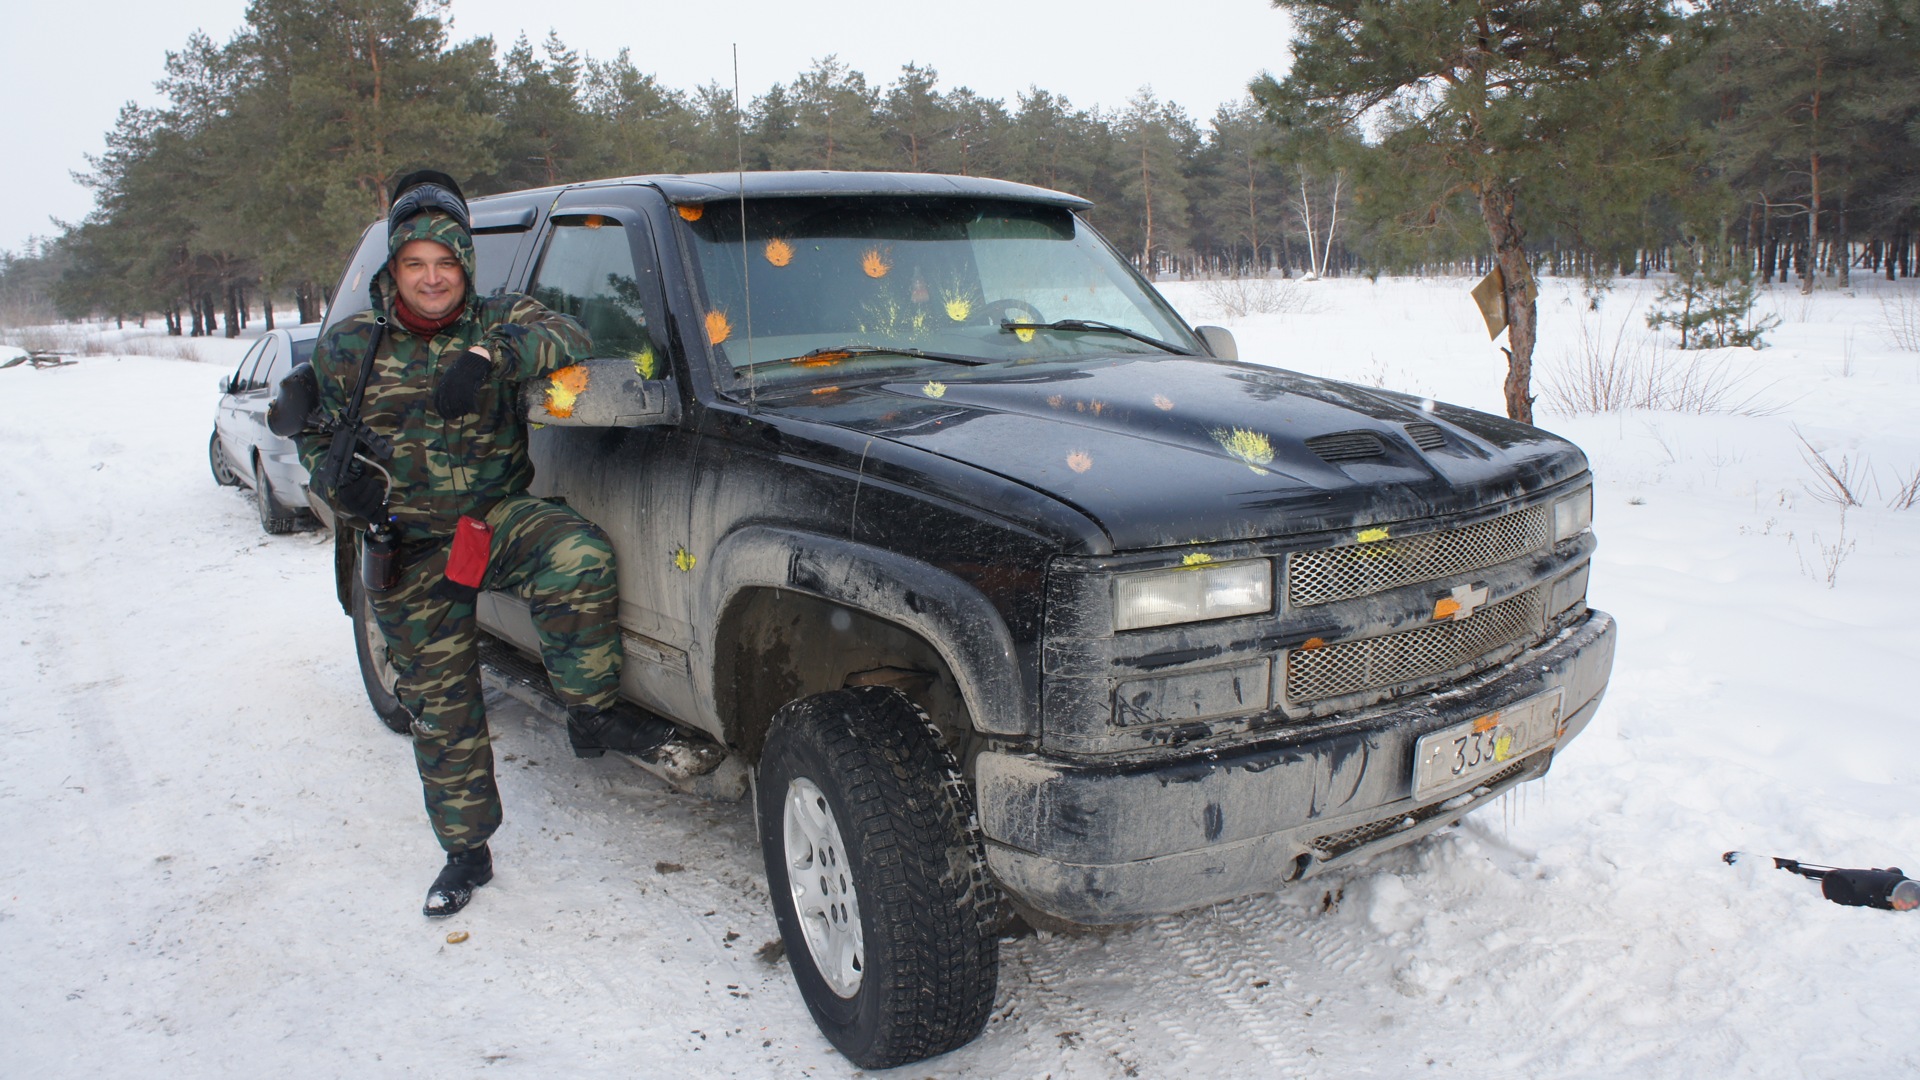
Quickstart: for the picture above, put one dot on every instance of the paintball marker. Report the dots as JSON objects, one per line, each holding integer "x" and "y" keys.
{"x": 1889, "y": 889}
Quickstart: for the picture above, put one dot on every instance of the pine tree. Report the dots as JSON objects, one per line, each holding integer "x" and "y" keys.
{"x": 1472, "y": 99}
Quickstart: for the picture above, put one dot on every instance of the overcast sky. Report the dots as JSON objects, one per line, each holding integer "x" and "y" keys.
{"x": 68, "y": 70}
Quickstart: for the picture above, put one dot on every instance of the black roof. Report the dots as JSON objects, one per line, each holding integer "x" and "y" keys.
{"x": 715, "y": 187}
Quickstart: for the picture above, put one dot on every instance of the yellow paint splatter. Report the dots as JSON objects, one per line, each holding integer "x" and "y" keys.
{"x": 1197, "y": 558}
{"x": 691, "y": 213}
{"x": 1079, "y": 461}
{"x": 564, "y": 388}
{"x": 1503, "y": 748}
{"x": 1250, "y": 447}
{"x": 683, "y": 560}
{"x": 1163, "y": 402}
{"x": 779, "y": 252}
{"x": 1024, "y": 335}
{"x": 875, "y": 264}
{"x": 1373, "y": 536}
{"x": 718, "y": 328}
{"x": 645, "y": 364}
{"x": 959, "y": 309}
{"x": 455, "y": 937}
{"x": 935, "y": 389}
{"x": 1445, "y": 607}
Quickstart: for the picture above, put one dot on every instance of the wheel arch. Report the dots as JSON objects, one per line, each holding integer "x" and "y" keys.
{"x": 776, "y": 635}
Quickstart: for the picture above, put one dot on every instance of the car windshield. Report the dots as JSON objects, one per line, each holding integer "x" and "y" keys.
{"x": 837, "y": 283}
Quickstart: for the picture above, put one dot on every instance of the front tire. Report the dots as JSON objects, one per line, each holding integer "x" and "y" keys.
{"x": 878, "y": 876}
{"x": 376, "y": 671}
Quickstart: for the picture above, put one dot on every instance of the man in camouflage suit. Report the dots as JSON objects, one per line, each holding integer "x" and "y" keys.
{"x": 444, "y": 389}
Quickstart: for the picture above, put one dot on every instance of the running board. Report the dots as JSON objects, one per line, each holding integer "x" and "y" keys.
{"x": 688, "y": 762}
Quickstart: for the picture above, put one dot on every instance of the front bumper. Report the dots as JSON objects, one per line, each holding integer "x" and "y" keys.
{"x": 1114, "y": 843}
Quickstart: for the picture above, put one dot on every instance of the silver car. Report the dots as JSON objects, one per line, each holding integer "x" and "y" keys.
{"x": 241, "y": 451}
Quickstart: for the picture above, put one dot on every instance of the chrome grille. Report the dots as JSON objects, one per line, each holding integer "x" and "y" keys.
{"x": 1349, "y": 667}
{"x": 1317, "y": 577}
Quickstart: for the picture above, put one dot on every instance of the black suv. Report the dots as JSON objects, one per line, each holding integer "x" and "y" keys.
{"x": 1009, "y": 590}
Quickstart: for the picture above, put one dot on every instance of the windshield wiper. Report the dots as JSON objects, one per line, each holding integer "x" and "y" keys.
{"x": 824, "y": 357}
{"x": 1090, "y": 326}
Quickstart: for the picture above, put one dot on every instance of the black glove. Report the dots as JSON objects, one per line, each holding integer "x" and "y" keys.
{"x": 459, "y": 389}
{"x": 293, "y": 401}
{"x": 362, "y": 496}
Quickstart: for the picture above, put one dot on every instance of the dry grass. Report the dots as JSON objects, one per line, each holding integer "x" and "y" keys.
{"x": 1900, "y": 319}
{"x": 1237, "y": 297}
{"x": 1628, "y": 370}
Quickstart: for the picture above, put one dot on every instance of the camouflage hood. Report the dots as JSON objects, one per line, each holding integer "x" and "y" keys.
{"x": 437, "y": 227}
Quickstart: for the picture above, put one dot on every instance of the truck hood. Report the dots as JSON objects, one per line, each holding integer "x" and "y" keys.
{"x": 1178, "y": 450}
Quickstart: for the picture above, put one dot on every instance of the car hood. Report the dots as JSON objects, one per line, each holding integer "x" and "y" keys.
{"x": 1167, "y": 451}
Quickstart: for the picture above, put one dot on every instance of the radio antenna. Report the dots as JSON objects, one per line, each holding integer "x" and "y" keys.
{"x": 746, "y": 262}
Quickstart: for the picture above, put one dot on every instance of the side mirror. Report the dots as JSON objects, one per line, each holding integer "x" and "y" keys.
{"x": 1219, "y": 341}
{"x": 604, "y": 393}
{"x": 226, "y": 384}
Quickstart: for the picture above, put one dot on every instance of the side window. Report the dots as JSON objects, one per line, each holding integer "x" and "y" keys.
{"x": 244, "y": 372}
{"x": 256, "y": 374}
{"x": 278, "y": 366}
{"x": 493, "y": 252}
{"x": 588, "y": 272}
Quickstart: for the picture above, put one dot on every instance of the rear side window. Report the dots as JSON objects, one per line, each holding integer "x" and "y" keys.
{"x": 264, "y": 365}
{"x": 588, "y": 272}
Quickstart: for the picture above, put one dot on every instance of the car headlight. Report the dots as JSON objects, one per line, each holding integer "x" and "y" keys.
{"x": 1573, "y": 514}
{"x": 1192, "y": 594}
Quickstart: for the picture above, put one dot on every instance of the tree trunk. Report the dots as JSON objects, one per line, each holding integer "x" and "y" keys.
{"x": 1843, "y": 248}
{"x": 1509, "y": 249}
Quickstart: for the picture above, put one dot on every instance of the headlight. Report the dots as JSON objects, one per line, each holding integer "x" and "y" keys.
{"x": 1573, "y": 514}
{"x": 1192, "y": 594}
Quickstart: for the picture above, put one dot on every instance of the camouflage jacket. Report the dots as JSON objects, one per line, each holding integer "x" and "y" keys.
{"x": 445, "y": 468}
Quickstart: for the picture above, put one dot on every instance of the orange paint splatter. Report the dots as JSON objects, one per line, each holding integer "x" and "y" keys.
{"x": 564, "y": 388}
{"x": 1445, "y": 607}
{"x": 875, "y": 264}
{"x": 1314, "y": 643}
{"x": 1486, "y": 723}
{"x": 691, "y": 213}
{"x": 823, "y": 360}
{"x": 1054, "y": 400}
{"x": 1079, "y": 461}
{"x": 1162, "y": 402}
{"x": 718, "y": 328}
{"x": 779, "y": 252}
{"x": 824, "y": 390}
{"x": 594, "y": 221}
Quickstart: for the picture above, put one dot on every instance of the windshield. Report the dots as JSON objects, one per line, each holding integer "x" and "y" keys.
{"x": 839, "y": 282}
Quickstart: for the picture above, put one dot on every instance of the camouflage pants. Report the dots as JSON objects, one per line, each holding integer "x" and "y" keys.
{"x": 562, "y": 564}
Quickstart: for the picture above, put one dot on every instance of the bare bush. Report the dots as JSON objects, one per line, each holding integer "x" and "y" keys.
{"x": 1237, "y": 297}
{"x": 1907, "y": 494}
{"x": 1828, "y": 556}
{"x": 1624, "y": 370}
{"x": 1900, "y": 319}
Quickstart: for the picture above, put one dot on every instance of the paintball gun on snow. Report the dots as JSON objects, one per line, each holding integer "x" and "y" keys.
{"x": 1888, "y": 889}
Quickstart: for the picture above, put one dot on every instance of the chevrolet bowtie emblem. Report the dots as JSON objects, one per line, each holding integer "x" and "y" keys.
{"x": 1461, "y": 603}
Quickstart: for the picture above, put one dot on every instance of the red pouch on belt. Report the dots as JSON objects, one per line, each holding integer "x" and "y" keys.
{"x": 472, "y": 543}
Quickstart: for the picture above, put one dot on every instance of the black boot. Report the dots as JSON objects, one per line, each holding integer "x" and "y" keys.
{"x": 465, "y": 871}
{"x": 593, "y": 731}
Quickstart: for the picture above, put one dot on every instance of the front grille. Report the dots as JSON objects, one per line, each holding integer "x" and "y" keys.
{"x": 1349, "y": 667}
{"x": 1347, "y": 446}
{"x": 1346, "y": 840}
{"x": 1318, "y": 577}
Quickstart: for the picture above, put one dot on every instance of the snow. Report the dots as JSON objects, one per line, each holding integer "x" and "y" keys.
{"x": 215, "y": 854}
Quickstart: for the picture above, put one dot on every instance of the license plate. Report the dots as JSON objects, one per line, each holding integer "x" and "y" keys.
{"x": 1464, "y": 753}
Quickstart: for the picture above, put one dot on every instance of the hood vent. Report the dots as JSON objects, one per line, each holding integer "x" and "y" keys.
{"x": 1427, "y": 436}
{"x": 1347, "y": 446}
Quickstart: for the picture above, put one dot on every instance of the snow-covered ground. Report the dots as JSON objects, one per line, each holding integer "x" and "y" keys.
{"x": 214, "y": 855}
